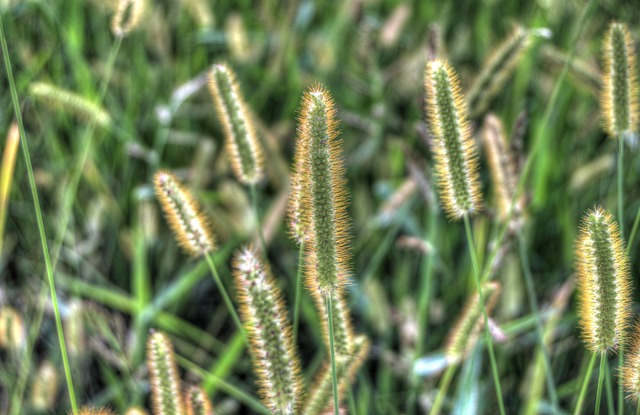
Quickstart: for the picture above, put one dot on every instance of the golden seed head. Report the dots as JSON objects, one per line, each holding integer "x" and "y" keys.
{"x": 631, "y": 370}
{"x": 44, "y": 389}
{"x": 454, "y": 148}
{"x": 189, "y": 225}
{"x": 12, "y": 331}
{"x": 127, "y": 16}
{"x": 603, "y": 282}
{"x": 197, "y": 402}
{"x": 163, "y": 375}
{"x": 619, "y": 100}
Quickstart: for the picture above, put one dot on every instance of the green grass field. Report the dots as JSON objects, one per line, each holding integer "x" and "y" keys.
{"x": 119, "y": 272}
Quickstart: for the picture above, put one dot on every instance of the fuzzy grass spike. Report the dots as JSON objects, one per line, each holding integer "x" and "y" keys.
{"x": 324, "y": 199}
{"x": 619, "y": 97}
{"x": 264, "y": 315}
{"x": 604, "y": 284}
{"x": 189, "y": 225}
{"x": 242, "y": 142}
{"x": 455, "y": 150}
{"x": 467, "y": 329}
{"x": 196, "y": 402}
{"x": 166, "y": 394}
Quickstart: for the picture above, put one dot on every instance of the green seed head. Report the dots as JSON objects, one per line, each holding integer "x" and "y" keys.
{"x": 455, "y": 150}
{"x": 603, "y": 282}
{"x": 163, "y": 376}
{"x": 264, "y": 316}
{"x": 619, "y": 96}
{"x": 196, "y": 402}
{"x": 242, "y": 143}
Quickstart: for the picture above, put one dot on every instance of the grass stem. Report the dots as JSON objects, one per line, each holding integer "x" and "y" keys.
{"x": 334, "y": 374}
{"x": 443, "y": 387}
{"x": 225, "y": 295}
{"x": 600, "y": 379}
{"x": 528, "y": 278}
{"x": 38, "y": 212}
{"x": 476, "y": 274}
{"x": 585, "y": 383}
{"x": 620, "y": 170}
{"x": 254, "y": 202}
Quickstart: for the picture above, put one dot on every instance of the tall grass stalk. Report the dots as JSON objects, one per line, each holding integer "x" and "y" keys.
{"x": 620, "y": 172}
{"x": 225, "y": 295}
{"x": 334, "y": 373}
{"x": 254, "y": 201}
{"x": 585, "y": 383}
{"x": 476, "y": 274}
{"x": 600, "y": 380}
{"x": 443, "y": 387}
{"x": 524, "y": 259}
{"x": 87, "y": 141}
{"x": 38, "y": 212}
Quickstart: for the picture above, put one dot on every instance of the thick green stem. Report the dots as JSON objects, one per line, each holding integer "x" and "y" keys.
{"x": 296, "y": 307}
{"x": 585, "y": 383}
{"x": 334, "y": 374}
{"x": 476, "y": 274}
{"x": 600, "y": 379}
{"x": 609, "y": 390}
{"x": 442, "y": 390}
{"x": 38, "y": 212}
{"x": 225, "y": 295}
{"x": 524, "y": 259}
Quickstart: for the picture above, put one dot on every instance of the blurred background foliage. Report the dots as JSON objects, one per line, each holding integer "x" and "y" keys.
{"x": 119, "y": 267}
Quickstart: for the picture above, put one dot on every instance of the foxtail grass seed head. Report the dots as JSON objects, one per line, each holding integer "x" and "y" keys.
{"x": 631, "y": 370}
{"x": 497, "y": 69}
{"x": 265, "y": 320}
{"x": 242, "y": 144}
{"x": 136, "y": 411}
{"x": 189, "y": 225}
{"x": 454, "y": 148}
{"x": 604, "y": 284}
{"x": 70, "y": 102}
{"x": 44, "y": 389}
{"x": 342, "y": 328}
{"x": 166, "y": 395}
{"x": 12, "y": 331}
{"x": 619, "y": 97}
{"x": 466, "y": 331}
{"x": 296, "y": 203}
{"x": 74, "y": 332}
{"x": 196, "y": 402}
{"x": 127, "y": 16}
{"x": 324, "y": 198}
{"x": 502, "y": 165}
{"x": 320, "y": 398}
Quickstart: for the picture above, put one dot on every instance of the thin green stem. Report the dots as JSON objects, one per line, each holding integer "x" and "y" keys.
{"x": 487, "y": 333}
{"x": 600, "y": 379}
{"x": 87, "y": 142}
{"x": 585, "y": 383}
{"x": 225, "y": 295}
{"x": 609, "y": 389}
{"x": 637, "y": 408}
{"x": 254, "y": 201}
{"x": 634, "y": 231}
{"x": 334, "y": 374}
{"x": 524, "y": 259}
{"x": 38, "y": 212}
{"x": 621, "y": 224}
{"x": 296, "y": 307}
{"x": 443, "y": 387}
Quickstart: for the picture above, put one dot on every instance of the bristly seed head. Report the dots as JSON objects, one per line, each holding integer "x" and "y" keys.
{"x": 183, "y": 214}
{"x": 455, "y": 150}
{"x": 466, "y": 331}
{"x": 242, "y": 143}
{"x": 127, "y": 16}
{"x": 631, "y": 370}
{"x": 197, "y": 402}
{"x": 603, "y": 282}
{"x": 166, "y": 394}
{"x": 322, "y": 199}
{"x": 265, "y": 319}
{"x": 619, "y": 97}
